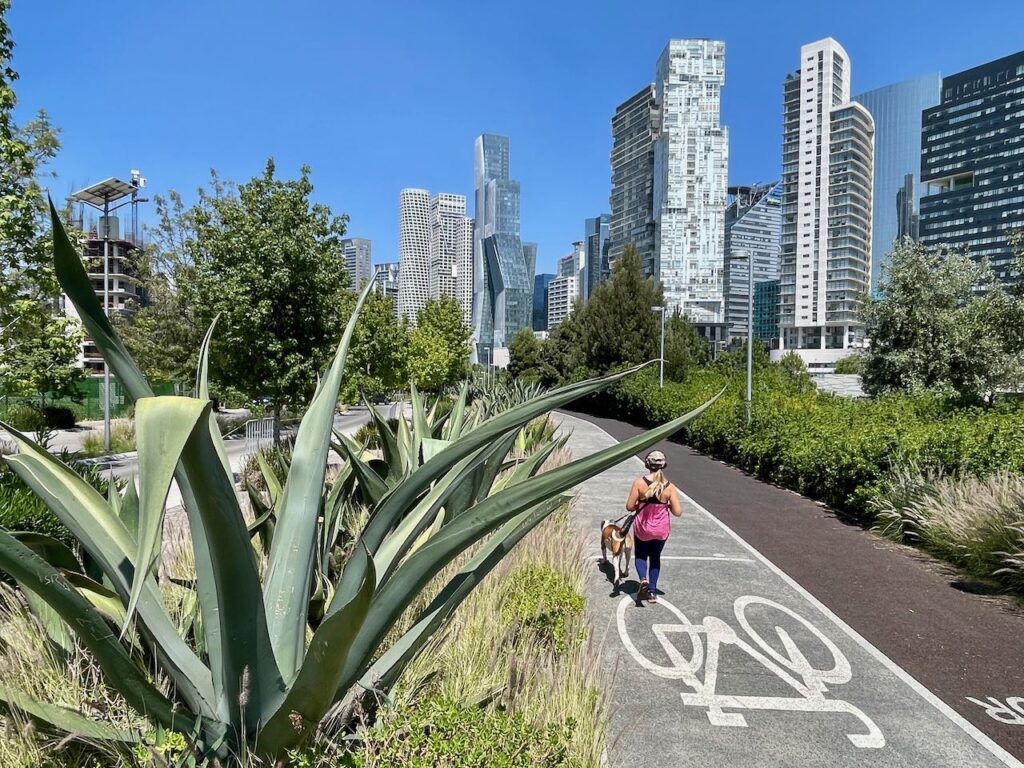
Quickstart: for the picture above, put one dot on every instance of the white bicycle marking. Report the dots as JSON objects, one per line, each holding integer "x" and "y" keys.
{"x": 1011, "y": 712}
{"x": 792, "y": 667}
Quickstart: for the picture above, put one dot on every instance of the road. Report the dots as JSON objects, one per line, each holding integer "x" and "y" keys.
{"x": 789, "y": 639}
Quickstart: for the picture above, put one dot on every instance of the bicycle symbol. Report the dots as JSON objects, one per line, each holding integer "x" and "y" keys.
{"x": 791, "y": 666}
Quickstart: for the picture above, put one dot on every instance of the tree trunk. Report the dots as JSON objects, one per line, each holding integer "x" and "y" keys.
{"x": 277, "y": 422}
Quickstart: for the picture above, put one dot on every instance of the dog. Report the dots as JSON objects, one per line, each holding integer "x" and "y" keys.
{"x": 621, "y": 547}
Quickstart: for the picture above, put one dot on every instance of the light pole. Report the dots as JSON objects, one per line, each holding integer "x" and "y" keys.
{"x": 100, "y": 196}
{"x": 661, "y": 357}
{"x": 741, "y": 254}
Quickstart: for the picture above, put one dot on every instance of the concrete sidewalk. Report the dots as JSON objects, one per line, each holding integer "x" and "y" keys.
{"x": 738, "y": 665}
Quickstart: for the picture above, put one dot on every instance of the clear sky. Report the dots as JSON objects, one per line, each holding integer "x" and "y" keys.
{"x": 378, "y": 95}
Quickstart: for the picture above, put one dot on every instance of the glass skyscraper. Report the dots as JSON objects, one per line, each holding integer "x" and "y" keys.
{"x": 972, "y": 162}
{"x": 540, "y": 301}
{"x": 753, "y": 223}
{"x": 634, "y": 129}
{"x": 596, "y": 246}
{"x": 896, "y": 110}
{"x": 503, "y": 265}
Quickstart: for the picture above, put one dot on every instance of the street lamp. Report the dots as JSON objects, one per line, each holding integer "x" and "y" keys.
{"x": 661, "y": 377}
{"x": 100, "y": 196}
{"x": 742, "y": 254}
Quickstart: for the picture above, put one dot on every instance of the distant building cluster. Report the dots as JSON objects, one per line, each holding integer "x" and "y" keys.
{"x": 938, "y": 160}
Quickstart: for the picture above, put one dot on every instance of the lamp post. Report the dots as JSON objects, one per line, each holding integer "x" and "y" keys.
{"x": 661, "y": 357}
{"x": 100, "y": 196}
{"x": 742, "y": 254}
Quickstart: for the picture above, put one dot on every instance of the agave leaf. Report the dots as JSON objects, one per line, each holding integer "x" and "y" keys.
{"x": 104, "y": 537}
{"x": 529, "y": 466}
{"x": 288, "y": 582}
{"x": 273, "y": 483}
{"x": 384, "y": 672}
{"x": 453, "y": 427}
{"x": 433, "y": 446}
{"x": 61, "y": 719}
{"x": 420, "y": 427}
{"x": 388, "y": 442}
{"x": 393, "y": 506}
{"x": 55, "y": 552}
{"x": 163, "y": 425}
{"x": 203, "y": 393}
{"x": 405, "y": 443}
{"x": 371, "y": 485}
{"x": 243, "y": 658}
{"x": 415, "y": 572}
{"x": 35, "y": 574}
{"x": 480, "y": 483}
{"x": 128, "y": 510}
{"x": 299, "y": 711}
{"x": 104, "y": 600}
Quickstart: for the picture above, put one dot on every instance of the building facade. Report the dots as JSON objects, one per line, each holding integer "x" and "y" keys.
{"x": 413, "y": 252}
{"x": 691, "y": 170}
{"x": 896, "y": 110}
{"x": 634, "y": 129}
{"x": 503, "y": 266}
{"x": 827, "y": 167}
{"x": 540, "y": 300}
{"x": 596, "y": 246}
{"x": 464, "y": 265}
{"x": 358, "y": 260}
{"x": 386, "y": 280}
{"x": 753, "y": 229}
{"x": 766, "y": 313}
{"x": 563, "y": 290}
{"x": 972, "y": 163}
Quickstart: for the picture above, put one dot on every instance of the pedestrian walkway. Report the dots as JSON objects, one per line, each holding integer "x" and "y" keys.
{"x": 738, "y": 665}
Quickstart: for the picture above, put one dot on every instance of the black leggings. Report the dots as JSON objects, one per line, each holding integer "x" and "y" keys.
{"x": 644, "y": 551}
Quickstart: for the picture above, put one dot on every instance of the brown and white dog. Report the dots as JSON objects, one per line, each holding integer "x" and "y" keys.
{"x": 621, "y": 547}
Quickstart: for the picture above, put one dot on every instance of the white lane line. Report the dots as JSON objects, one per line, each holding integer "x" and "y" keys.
{"x": 997, "y": 751}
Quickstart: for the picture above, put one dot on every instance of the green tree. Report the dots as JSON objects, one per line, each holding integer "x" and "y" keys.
{"x": 443, "y": 317}
{"x": 562, "y": 357}
{"x": 430, "y": 358}
{"x": 943, "y": 322}
{"x": 685, "y": 349}
{"x": 524, "y": 352}
{"x": 378, "y": 356}
{"x": 38, "y": 344}
{"x": 618, "y": 326}
{"x": 795, "y": 370}
{"x": 269, "y": 263}
{"x": 851, "y": 364}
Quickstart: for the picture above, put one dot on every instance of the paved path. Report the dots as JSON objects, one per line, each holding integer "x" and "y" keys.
{"x": 739, "y": 665}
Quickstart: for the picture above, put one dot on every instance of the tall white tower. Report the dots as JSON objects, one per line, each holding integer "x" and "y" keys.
{"x": 464, "y": 265}
{"x": 827, "y": 169}
{"x": 413, "y": 251}
{"x": 691, "y": 170}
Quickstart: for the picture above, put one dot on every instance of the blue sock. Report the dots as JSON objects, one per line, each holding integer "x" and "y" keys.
{"x": 654, "y": 577}
{"x": 641, "y": 568}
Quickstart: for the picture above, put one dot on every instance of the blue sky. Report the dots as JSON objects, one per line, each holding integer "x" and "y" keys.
{"x": 377, "y": 96}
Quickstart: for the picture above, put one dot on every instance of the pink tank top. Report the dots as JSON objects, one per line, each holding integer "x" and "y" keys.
{"x": 653, "y": 520}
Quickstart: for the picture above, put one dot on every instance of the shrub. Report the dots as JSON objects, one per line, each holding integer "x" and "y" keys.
{"x": 539, "y": 602}
{"x": 122, "y": 439}
{"x": 23, "y": 416}
{"x": 441, "y": 733}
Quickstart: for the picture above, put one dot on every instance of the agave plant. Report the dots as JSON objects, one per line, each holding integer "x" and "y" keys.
{"x": 268, "y": 668}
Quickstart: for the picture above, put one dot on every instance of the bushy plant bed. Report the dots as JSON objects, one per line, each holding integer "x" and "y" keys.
{"x": 122, "y": 439}
{"x": 541, "y": 604}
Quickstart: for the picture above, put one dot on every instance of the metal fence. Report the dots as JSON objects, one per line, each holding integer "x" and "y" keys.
{"x": 259, "y": 434}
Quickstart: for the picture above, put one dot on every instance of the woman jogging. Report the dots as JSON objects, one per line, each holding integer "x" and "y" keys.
{"x": 652, "y": 497}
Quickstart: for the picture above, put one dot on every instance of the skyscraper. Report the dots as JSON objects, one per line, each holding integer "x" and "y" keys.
{"x": 827, "y": 160}
{"x": 896, "y": 110}
{"x": 358, "y": 260}
{"x": 431, "y": 249}
{"x": 385, "y": 280}
{"x": 596, "y": 245}
{"x": 753, "y": 223}
{"x": 502, "y": 265}
{"x": 691, "y": 169}
{"x": 972, "y": 162}
{"x": 464, "y": 264}
{"x": 413, "y": 252}
{"x": 540, "y": 301}
{"x": 563, "y": 290}
{"x": 634, "y": 128}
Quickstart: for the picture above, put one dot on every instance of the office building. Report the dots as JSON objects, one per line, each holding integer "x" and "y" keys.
{"x": 896, "y": 110}
{"x": 413, "y": 252}
{"x": 540, "y": 301}
{"x": 634, "y": 128}
{"x": 972, "y": 162}
{"x": 385, "y": 280}
{"x": 563, "y": 290}
{"x": 753, "y": 229}
{"x": 358, "y": 261}
{"x": 827, "y": 160}
{"x": 691, "y": 169}
{"x": 503, "y": 266}
{"x": 766, "y": 313}
{"x": 435, "y": 247}
{"x": 596, "y": 245}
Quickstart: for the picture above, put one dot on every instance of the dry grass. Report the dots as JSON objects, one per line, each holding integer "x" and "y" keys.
{"x": 976, "y": 523}
{"x": 122, "y": 439}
